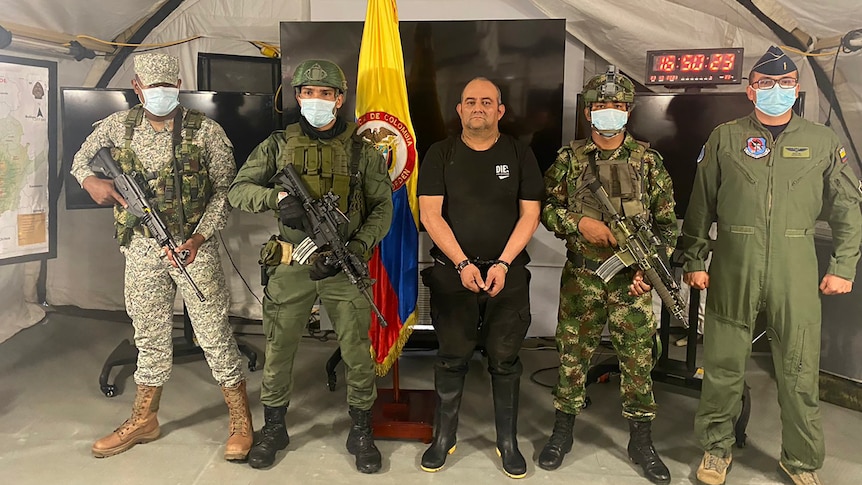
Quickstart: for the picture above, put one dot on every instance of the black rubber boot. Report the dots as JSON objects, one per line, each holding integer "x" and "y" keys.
{"x": 360, "y": 442}
{"x": 273, "y": 437}
{"x": 642, "y": 453}
{"x": 449, "y": 384}
{"x": 506, "y": 389}
{"x": 560, "y": 442}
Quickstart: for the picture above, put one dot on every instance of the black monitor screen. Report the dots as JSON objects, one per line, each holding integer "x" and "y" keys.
{"x": 246, "y": 118}
{"x": 677, "y": 126}
{"x": 224, "y": 72}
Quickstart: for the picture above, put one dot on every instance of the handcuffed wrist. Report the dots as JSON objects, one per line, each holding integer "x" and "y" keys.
{"x": 463, "y": 264}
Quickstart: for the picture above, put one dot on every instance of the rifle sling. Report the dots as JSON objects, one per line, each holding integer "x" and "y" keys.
{"x": 176, "y": 140}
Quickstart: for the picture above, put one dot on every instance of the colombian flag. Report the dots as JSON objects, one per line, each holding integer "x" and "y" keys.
{"x": 384, "y": 120}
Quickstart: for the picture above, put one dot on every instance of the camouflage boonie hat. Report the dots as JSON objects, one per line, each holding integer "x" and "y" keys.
{"x": 620, "y": 89}
{"x": 154, "y": 68}
{"x": 319, "y": 72}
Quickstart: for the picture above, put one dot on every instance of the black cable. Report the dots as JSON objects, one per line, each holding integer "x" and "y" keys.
{"x": 536, "y": 381}
{"x": 832, "y": 82}
{"x": 229, "y": 257}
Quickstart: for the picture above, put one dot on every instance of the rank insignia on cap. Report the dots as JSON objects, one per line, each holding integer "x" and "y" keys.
{"x": 755, "y": 147}
{"x": 842, "y": 155}
{"x": 774, "y": 63}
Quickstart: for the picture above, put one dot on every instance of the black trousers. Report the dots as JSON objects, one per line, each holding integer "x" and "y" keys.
{"x": 464, "y": 320}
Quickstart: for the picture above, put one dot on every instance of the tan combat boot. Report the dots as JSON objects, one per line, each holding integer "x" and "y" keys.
{"x": 240, "y": 439}
{"x": 141, "y": 427}
{"x": 713, "y": 469}
{"x": 801, "y": 477}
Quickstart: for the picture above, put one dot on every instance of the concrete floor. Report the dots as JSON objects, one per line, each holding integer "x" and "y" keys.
{"x": 51, "y": 410}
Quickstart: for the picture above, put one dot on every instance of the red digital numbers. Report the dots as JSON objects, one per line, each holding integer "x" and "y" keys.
{"x": 692, "y": 62}
{"x": 722, "y": 62}
{"x": 665, "y": 63}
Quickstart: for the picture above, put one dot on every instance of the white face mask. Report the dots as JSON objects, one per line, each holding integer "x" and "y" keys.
{"x": 609, "y": 120}
{"x": 160, "y": 101}
{"x": 318, "y": 112}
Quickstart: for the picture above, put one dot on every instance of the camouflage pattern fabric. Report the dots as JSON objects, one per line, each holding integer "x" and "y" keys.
{"x": 153, "y": 149}
{"x": 150, "y": 288}
{"x": 151, "y": 282}
{"x": 625, "y": 92}
{"x": 561, "y": 183}
{"x": 587, "y": 304}
{"x": 155, "y": 68}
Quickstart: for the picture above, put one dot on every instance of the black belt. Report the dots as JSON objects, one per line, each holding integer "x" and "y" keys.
{"x": 579, "y": 261}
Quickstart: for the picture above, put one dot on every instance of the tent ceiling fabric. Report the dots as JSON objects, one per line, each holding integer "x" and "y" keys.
{"x": 101, "y": 19}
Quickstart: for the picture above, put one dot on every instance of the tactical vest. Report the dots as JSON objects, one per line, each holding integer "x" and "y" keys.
{"x": 622, "y": 179}
{"x": 160, "y": 187}
{"x": 326, "y": 165}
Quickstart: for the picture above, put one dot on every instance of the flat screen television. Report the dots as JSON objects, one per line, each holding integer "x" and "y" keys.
{"x": 677, "y": 125}
{"x": 246, "y": 118}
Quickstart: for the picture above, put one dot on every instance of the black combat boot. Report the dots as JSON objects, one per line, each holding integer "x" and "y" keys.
{"x": 560, "y": 442}
{"x": 449, "y": 384}
{"x": 273, "y": 437}
{"x": 642, "y": 452}
{"x": 360, "y": 442}
{"x": 506, "y": 389}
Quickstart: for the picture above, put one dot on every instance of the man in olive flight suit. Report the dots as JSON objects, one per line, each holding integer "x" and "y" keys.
{"x": 324, "y": 151}
{"x": 765, "y": 179}
{"x": 637, "y": 183}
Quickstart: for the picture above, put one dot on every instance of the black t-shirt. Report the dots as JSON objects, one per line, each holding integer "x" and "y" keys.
{"x": 482, "y": 191}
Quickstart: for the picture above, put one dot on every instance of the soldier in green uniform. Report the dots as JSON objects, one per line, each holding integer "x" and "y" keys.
{"x": 765, "y": 179}
{"x": 326, "y": 153}
{"x": 637, "y": 182}
{"x": 172, "y": 143}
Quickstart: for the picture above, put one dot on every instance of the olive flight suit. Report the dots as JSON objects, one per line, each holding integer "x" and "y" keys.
{"x": 765, "y": 195}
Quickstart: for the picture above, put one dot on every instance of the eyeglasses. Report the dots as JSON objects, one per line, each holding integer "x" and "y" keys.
{"x": 768, "y": 82}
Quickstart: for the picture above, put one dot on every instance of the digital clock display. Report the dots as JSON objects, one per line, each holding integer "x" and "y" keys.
{"x": 694, "y": 67}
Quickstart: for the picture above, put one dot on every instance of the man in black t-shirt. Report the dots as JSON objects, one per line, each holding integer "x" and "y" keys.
{"x": 479, "y": 200}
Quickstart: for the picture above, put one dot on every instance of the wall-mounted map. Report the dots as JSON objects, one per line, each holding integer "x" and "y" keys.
{"x": 27, "y": 159}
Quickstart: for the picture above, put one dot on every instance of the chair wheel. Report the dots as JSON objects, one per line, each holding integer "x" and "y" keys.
{"x": 109, "y": 390}
{"x": 330, "y": 384}
{"x": 252, "y": 367}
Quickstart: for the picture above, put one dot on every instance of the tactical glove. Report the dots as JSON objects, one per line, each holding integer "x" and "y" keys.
{"x": 321, "y": 270}
{"x": 290, "y": 212}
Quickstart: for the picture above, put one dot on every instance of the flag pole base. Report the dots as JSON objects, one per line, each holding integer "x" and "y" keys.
{"x": 404, "y": 413}
{"x": 412, "y": 417}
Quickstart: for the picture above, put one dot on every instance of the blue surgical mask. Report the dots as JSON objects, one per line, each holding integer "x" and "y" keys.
{"x": 609, "y": 120}
{"x": 318, "y": 112}
{"x": 775, "y": 101}
{"x": 160, "y": 101}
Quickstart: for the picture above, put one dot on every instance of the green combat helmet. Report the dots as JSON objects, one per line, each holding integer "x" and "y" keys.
{"x": 319, "y": 72}
{"x": 610, "y": 86}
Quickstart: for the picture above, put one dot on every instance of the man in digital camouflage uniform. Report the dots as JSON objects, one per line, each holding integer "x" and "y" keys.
{"x": 637, "y": 182}
{"x": 324, "y": 150}
{"x": 764, "y": 179}
{"x": 165, "y": 140}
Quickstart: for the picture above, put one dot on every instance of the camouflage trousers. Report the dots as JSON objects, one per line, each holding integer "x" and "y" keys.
{"x": 150, "y": 288}
{"x": 586, "y": 305}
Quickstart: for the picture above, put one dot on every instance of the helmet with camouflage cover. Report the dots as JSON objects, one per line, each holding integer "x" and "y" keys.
{"x": 319, "y": 72}
{"x": 610, "y": 86}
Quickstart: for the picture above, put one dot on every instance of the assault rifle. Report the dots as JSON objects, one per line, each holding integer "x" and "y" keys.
{"x": 130, "y": 186}
{"x": 325, "y": 217}
{"x": 639, "y": 247}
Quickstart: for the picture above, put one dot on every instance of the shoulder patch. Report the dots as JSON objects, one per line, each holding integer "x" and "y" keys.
{"x": 842, "y": 155}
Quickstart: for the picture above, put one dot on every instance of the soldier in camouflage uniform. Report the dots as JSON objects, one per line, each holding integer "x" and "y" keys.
{"x": 636, "y": 180}
{"x": 166, "y": 141}
{"x": 326, "y": 152}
